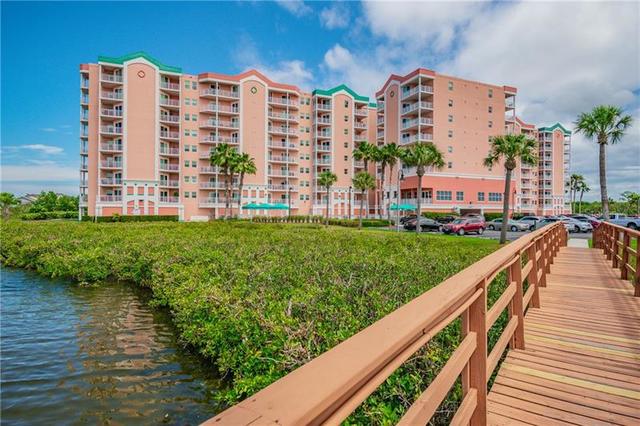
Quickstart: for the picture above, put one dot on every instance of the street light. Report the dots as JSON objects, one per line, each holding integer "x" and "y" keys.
{"x": 350, "y": 189}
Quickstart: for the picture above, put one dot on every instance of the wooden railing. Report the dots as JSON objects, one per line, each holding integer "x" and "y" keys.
{"x": 616, "y": 242}
{"x": 329, "y": 388}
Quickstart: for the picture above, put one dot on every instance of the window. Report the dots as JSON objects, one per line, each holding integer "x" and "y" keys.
{"x": 490, "y": 124}
{"x": 193, "y": 195}
{"x": 194, "y": 85}
{"x": 480, "y": 196}
{"x": 346, "y": 158}
{"x": 451, "y": 85}
{"x": 459, "y": 195}
{"x": 450, "y": 118}
{"x": 194, "y": 148}
{"x": 194, "y": 163}
{"x": 186, "y": 117}
{"x": 490, "y": 109}
{"x": 450, "y": 133}
{"x": 450, "y": 148}
{"x": 450, "y": 102}
{"x": 346, "y": 118}
{"x": 186, "y": 163}
{"x": 194, "y": 117}
{"x": 186, "y": 179}
{"x": 449, "y": 165}
{"x": 495, "y": 196}
{"x": 187, "y": 84}
{"x": 491, "y": 93}
{"x": 187, "y": 101}
{"x": 346, "y": 104}
{"x": 186, "y": 148}
{"x": 346, "y": 171}
{"x": 193, "y": 179}
{"x": 194, "y": 133}
{"x": 186, "y": 195}
{"x": 186, "y": 132}
{"x": 346, "y": 131}
{"x": 443, "y": 195}
{"x": 194, "y": 102}
{"x": 346, "y": 144}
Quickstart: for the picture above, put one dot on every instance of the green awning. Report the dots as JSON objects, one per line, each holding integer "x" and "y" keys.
{"x": 402, "y": 207}
{"x": 252, "y": 206}
{"x": 265, "y": 206}
{"x": 279, "y": 206}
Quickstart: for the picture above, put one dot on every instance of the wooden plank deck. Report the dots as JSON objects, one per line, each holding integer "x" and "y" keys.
{"x": 581, "y": 362}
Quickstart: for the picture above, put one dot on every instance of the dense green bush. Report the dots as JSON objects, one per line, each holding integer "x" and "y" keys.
{"x": 263, "y": 299}
{"x": 50, "y": 215}
{"x": 129, "y": 218}
{"x": 349, "y": 223}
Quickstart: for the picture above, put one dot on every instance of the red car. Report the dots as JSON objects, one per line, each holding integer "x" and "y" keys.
{"x": 465, "y": 225}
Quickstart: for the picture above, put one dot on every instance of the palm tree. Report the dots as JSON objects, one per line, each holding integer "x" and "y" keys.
{"x": 582, "y": 188}
{"x": 366, "y": 152}
{"x": 392, "y": 153}
{"x": 326, "y": 180}
{"x": 7, "y": 200}
{"x": 421, "y": 156}
{"x": 225, "y": 156}
{"x": 510, "y": 148}
{"x": 575, "y": 181}
{"x": 363, "y": 181}
{"x": 244, "y": 165}
{"x": 606, "y": 124}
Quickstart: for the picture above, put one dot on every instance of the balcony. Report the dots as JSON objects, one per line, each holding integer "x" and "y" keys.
{"x": 168, "y": 102}
{"x": 84, "y": 198}
{"x": 323, "y": 134}
{"x": 170, "y": 118}
{"x": 117, "y": 96}
{"x": 423, "y": 121}
{"x": 169, "y": 200}
{"x": 165, "y": 134}
{"x": 282, "y": 116}
{"x": 111, "y": 147}
{"x": 164, "y": 150}
{"x": 220, "y": 93}
{"x": 212, "y": 185}
{"x": 360, "y": 125}
{"x": 282, "y": 188}
{"x": 282, "y": 145}
{"x": 84, "y": 115}
{"x": 111, "y": 112}
{"x": 358, "y": 164}
{"x": 380, "y": 134}
{"x": 169, "y": 183}
{"x": 109, "y": 164}
{"x": 84, "y": 166}
{"x": 323, "y": 148}
{"x": 110, "y": 181}
{"x": 111, "y": 78}
{"x": 220, "y": 139}
{"x": 281, "y": 173}
{"x": 281, "y": 159}
{"x": 213, "y": 108}
{"x": 220, "y": 123}
{"x": 422, "y": 137}
{"x": 417, "y": 105}
{"x": 323, "y": 161}
{"x": 279, "y": 130}
{"x": 362, "y": 137}
{"x": 380, "y": 106}
{"x": 209, "y": 170}
{"x": 205, "y": 155}
{"x": 165, "y": 167}
{"x": 416, "y": 90}
{"x": 166, "y": 85}
{"x": 84, "y": 99}
{"x": 362, "y": 112}
{"x": 84, "y": 83}
{"x": 320, "y": 106}
{"x": 111, "y": 130}
{"x": 380, "y": 121}
{"x": 323, "y": 121}
{"x": 84, "y": 150}
{"x": 280, "y": 101}
{"x": 111, "y": 198}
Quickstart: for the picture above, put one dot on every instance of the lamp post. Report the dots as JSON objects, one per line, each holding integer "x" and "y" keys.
{"x": 289, "y": 201}
{"x": 400, "y": 178}
{"x": 350, "y": 189}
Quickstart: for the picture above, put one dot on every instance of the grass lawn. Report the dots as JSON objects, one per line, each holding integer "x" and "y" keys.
{"x": 263, "y": 299}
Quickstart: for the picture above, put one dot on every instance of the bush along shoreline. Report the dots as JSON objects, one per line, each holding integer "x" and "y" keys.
{"x": 262, "y": 299}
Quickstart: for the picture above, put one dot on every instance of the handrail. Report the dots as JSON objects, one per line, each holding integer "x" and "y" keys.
{"x": 607, "y": 237}
{"x": 330, "y": 387}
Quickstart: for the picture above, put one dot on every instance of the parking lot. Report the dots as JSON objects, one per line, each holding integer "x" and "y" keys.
{"x": 511, "y": 236}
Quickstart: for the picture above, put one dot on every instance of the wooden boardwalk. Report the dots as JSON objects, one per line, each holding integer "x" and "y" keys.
{"x": 581, "y": 362}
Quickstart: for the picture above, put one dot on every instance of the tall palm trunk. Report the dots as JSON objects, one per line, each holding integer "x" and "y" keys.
{"x": 381, "y": 192}
{"x": 326, "y": 222}
{"x": 505, "y": 207}
{"x": 602, "y": 140}
{"x": 226, "y": 194}
{"x": 580, "y": 205}
{"x": 240, "y": 185}
{"x": 420, "y": 173}
{"x": 361, "y": 208}
{"x": 366, "y": 167}
{"x": 388, "y": 207}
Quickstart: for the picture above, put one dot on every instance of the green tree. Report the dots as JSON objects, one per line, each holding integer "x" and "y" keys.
{"x": 386, "y": 156}
{"x": 421, "y": 156}
{"x": 366, "y": 152}
{"x": 574, "y": 186}
{"x": 326, "y": 180}
{"x": 510, "y": 149}
{"x": 7, "y": 200}
{"x": 633, "y": 201}
{"x": 225, "y": 156}
{"x": 582, "y": 188}
{"x": 363, "y": 181}
{"x": 46, "y": 202}
{"x": 393, "y": 154}
{"x": 244, "y": 165}
{"x": 606, "y": 124}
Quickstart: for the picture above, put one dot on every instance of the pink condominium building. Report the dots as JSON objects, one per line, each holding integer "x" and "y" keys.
{"x": 147, "y": 130}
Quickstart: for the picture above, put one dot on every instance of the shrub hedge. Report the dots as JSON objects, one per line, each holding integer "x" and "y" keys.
{"x": 129, "y": 218}
{"x": 50, "y": 215}
{"x": 263, "y": 299}
{"x": 349, "y": 223}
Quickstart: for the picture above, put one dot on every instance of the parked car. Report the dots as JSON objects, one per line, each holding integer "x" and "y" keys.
{"x": 407, "y": 218}
{"x": 577, "y": 225}
{"x": 426, "y": 224}
{"x": 465, "y": 225}
{"x": 587, "y": 218}
{"x": 531, "y": 221}
{"x": 549, "y": 220}
{"x": 512, "y": 225}
{"x": 445, "y": 219}
{"x": 624, "y": 220}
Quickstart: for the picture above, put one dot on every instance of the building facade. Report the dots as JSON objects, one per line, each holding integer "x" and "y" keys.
{"x": 147, "y": 131}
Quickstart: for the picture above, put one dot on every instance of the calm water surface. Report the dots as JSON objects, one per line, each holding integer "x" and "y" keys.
{"x": 94, "y": 355}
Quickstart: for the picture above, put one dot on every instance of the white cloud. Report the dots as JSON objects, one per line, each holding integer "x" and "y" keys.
{"x": 336, "y": 16}
{"x": 295, "y": 7}
{"x": 37, "y": 186}
{"x": 45, "y": 149}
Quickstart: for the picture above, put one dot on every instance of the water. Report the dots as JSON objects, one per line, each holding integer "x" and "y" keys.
{"x": 94, "y": 355}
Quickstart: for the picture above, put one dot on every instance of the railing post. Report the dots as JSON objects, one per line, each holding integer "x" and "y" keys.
{"x": 478, "y": 361}
{"x": 614, "y": 248}
{"x": 532, "y": 278}
{"x": 543, "y": 266}
{"x": 636, "y": 279}
{"x": 515, "y": 275}
{"x": 626, "y": 241}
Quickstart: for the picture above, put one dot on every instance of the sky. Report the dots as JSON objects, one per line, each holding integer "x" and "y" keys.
{"x": 564, "y": 58}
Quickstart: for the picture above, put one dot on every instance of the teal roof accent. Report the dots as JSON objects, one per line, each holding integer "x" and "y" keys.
{"x": 373, "y": 105}
{"x": 330, "y": 92}
{"x": 122, "y": 59}
{"x": 554, "y": 127}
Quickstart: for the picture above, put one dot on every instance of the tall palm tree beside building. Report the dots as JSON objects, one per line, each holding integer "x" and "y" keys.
{"x": 366, "y": 152}
{"x": 510, "y": 149}
{"x": 392, "y": 153}
{"x": 244, "y": 165}
{"x": 225, "y": 156}
{"x": 606, "y": 124}
{"x": 422, "y": 156}
{"x": 582, "y": 188}
{"x": 326, "y": 180}
{"x": 363, "y": 181}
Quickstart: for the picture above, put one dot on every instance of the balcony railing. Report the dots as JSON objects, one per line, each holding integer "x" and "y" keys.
{"x": 110, "y": 198}
{"x": 323, "y": 161}
{"x": 169, "y": 167}
{"x": 110, "y": 112}
{"x": 170, "y": 118}
{"x": 169, "y": 151}
{"x": 112, "y": 78}
{"x": 323, "y": 134}
{"x": 220, "y": 92}
{"x": 203, "y": 155}
{"x": 415, "y": 106}
{"x": 281, "y": 159}
{"x": 282, "y": 115}
{"x": 169, "y": 102}
{"x": 169, "y": 135}
{"x": 219, "y": 139}
{"x": 112, "y": 95}
{"x": 421, "y": 89}
{"x": 362, "y": 112}
{"x": 286, "y": 173}
{"x": 280, "y": 101}
{"x": 111, "y": 164}
{"x": 282, "y": 130}
{"x": 169, "y": 183}
{"x": 110, "y": 181}
{"x": 283, "y": 145}
{"x": 112, "y": 130}
{"x": 169, "y": 199}
{"x": 359, "y": 125}
{"x": 323, "y": 120}
{"x": 421, "y": 121}
{"x": 220, "y": 123}
{"x": 282, "y": 188}
{"x": 323, "y": 106}
{"x": 116, "y": 147}
{"x": 220, "y": 108}
{"x": 169, "y": 85}
{"x": 209, "y": 169}
{"x": 323, "y": 148}
{"x": 423, "y": 137}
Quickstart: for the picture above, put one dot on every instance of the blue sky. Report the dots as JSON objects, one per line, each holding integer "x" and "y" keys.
{"x": 560, "y": 65}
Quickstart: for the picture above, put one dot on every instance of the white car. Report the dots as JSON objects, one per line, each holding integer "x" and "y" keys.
{"x": 577, "y": 225}
{"x": 512, "y": 225}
